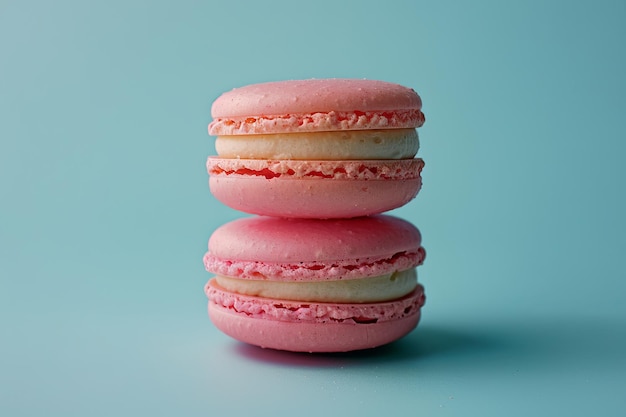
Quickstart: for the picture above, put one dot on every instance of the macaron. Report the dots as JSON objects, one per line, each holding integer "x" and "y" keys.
{"x": 311, "y": 285}
{"x": 318, "y": 148}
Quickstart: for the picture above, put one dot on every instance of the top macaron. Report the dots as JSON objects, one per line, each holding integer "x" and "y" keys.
{"x": 317, "y": 148}
{"x": 315, "y": 105}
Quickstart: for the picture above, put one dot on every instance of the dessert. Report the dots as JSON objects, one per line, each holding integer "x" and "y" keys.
{"x": 318, "y": 268}
{"x": 331, "y": 148}
{"x": 315, "y": 285}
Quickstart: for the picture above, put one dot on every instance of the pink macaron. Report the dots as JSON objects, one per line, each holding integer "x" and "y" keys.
{"x": 319, "y": 148}
{"x": 312, "y": 285}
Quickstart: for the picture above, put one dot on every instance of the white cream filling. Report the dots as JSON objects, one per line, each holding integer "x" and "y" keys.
{"x": 337, "y": 145}
{"x": 364, "y": 290}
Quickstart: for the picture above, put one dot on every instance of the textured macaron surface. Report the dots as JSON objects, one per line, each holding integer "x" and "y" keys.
{"x": 293, "y": 311}
{"x": 391, "y": 169}
{"x": 332, "y": 332}
{"x": 315, "y": 105}
{"x": 310, "y": 249}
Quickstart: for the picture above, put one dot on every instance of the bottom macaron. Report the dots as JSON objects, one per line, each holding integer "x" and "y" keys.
{"x": 311, "y": 326}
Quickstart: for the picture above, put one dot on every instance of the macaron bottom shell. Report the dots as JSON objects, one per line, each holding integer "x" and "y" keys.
{"x": 313, "y": 198}
{"x": 314, "y": 189}
{"x": 313, "y": 327}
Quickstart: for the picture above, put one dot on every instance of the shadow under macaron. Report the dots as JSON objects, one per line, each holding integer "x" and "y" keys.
{"x": 426, "y": 342}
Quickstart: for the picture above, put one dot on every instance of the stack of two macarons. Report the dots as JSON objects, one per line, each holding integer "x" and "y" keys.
{"x": 318, "y": 268}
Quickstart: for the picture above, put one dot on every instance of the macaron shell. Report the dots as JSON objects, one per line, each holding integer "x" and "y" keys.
{"x": 314, "y": 189}
{"x": 314, "y": 95}
{"x": 310, "y": 337}
{"x": 312, "y": 327}
{"x": 299, "y": 249}
{"x": 295, "y": 241}
{"x": 292, "y": 198}
{"x": 315, "y": 105}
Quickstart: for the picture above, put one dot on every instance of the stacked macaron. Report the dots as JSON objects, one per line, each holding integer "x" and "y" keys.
{"x": 318, "y": 268}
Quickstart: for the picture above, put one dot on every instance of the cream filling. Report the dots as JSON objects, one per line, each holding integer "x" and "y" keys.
{"x": 365, "y": 290}
{"x": 337, "y": 145}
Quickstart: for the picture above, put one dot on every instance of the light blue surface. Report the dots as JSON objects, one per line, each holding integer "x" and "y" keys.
{"x": 105, "y": 210}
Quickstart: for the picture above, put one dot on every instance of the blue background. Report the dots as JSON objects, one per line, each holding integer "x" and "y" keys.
{"x": 105, "y": 209}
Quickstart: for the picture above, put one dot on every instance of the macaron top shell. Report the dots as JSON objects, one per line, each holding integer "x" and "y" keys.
{"x": 315, "y": 105}
{"x": 309, "y": 249}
